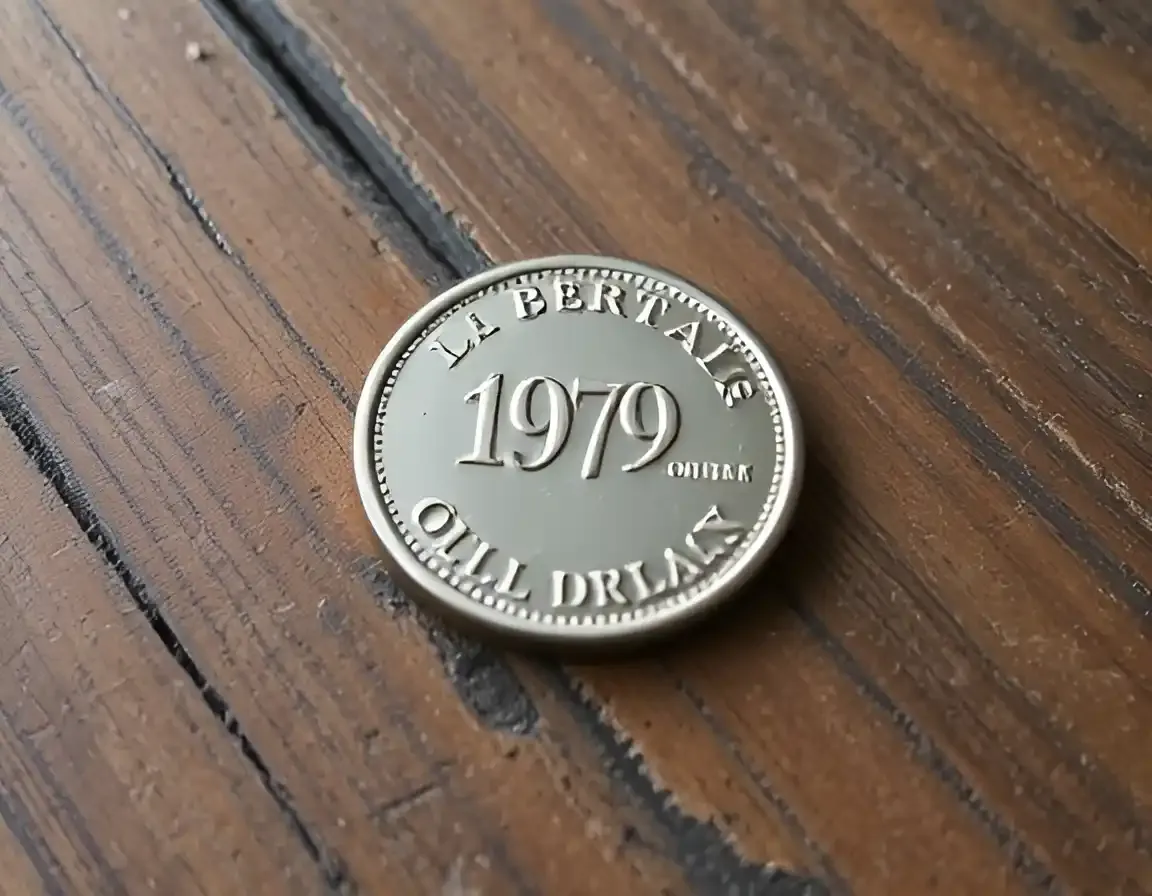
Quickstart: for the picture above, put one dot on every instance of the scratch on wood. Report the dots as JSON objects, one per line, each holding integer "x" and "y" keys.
{"x": 985, "y": 443}
{"x": 1038, "y": 415}
{"x": 680, "y": 62}
{"x": 393, "y": 810}
{"x": 481, "y": 677}
{"x": 36, "y": 442}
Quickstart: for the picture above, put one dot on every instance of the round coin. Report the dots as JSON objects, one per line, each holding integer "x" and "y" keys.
{"x": 577, "y": 451}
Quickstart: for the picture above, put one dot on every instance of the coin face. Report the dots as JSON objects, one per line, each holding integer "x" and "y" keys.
{"x": 576, "y": 450}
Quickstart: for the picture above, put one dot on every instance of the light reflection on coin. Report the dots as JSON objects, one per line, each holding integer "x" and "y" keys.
{"x": 576, "y": 450}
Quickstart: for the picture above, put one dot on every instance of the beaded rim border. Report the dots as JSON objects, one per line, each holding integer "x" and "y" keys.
{"x": 671, "y": 603}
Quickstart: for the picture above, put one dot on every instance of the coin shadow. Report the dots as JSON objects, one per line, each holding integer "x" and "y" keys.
{"x": 788, "y": 584}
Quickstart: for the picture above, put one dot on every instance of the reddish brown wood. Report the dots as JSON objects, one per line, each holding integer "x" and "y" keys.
{"x": 935, "y": 212}
{"x": 113, "y": 774}
{"x": 959, "y": 294}
{"x": 155, "y": 351}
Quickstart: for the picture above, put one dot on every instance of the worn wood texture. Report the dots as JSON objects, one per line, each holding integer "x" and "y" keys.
{"x": 114, "y": 776}
{"x": 150, "y": 340}
{"x": 937, "y": 213}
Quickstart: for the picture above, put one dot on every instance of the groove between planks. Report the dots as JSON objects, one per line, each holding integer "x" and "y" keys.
{"x": 994, "y": 451}
{"x": 704, "y": 853}
{"x": 433, "y": 237}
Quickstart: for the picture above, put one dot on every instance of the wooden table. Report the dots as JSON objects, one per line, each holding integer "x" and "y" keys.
{"x": 212, "y": 217}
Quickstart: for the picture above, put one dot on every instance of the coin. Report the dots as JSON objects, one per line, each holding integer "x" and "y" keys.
{"x": 576, "y": 450}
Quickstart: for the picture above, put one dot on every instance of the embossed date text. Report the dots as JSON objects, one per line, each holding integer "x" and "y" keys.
{"x": 620, "y": 403}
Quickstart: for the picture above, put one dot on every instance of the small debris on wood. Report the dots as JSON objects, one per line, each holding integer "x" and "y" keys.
{"x": 123, "y": 14}
{"x": 194, "y": 51}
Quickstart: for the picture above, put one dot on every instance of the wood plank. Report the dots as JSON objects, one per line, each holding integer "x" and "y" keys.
{"x": 959, "y": 301}
{"x": 1093, "y": 53}
{"x": 114, "y": 776}
{"x": 770, "y": 834}
{"x": 1063, "y": 139}
{"x": 350, "y": 800}
{"x": 164, "y": 267}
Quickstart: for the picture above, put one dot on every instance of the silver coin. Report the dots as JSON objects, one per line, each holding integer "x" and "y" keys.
{"x": 576, "y": 450}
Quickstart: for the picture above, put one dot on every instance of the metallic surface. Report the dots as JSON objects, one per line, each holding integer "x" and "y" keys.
{"x": 576, "y": 450}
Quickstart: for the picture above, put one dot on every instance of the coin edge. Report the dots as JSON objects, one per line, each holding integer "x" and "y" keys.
{"x": 440, "y": 593}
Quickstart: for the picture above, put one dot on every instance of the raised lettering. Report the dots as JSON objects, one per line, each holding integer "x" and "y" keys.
{"x": 651, "y": 301}
{"x": 622, "y": 403}
{"x": 712, "y": 356}
{"x": 608, "y": 295}
{"x": 559, "y": 591}
{"x": 644, "y": 588}
{"x": 476, "y": 563}
{"x": 709, "y": 470}
{"x": 528, "y": 302}
{"x": 453, "y": 357}
{"x": 568, "y": 296}
{"x": 572, "y": 295}
{"x": 487, "y": 396}
{"x": 733, "y": 386}
{"x": 449, "y": 540}
{"x": 736, "y": 390}
{"x": 440, "y": 520}
{"x": 713, "y": 521}
{"x": 554, "y": 430}
{"x": 421, "y": 514}
{"x": 507, "y": 586}
{"x": 605, "y": 585}
{"x": 704, "y": 556}
{"x": 667, "y": 422}
{"x": 687, "y": 335}
{"x": 681, "y": 570}
{"x": 480, "y": 330}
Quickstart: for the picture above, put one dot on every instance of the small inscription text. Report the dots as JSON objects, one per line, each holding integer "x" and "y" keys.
{"x": 463, "y": 551}
{"x": 715, "y": 472}
{"x": 711, "y": 537}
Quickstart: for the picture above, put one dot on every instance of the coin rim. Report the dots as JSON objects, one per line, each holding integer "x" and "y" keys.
{"x": 441, "y": 594}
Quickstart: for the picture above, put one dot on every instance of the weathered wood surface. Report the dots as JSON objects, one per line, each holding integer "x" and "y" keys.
{"x": 113, "y": 774}
{"x": 149, "y": 338}
{"x": 937, "y": 213}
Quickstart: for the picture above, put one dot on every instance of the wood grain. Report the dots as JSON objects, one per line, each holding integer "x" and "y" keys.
{"x": 935, "y": 212}
{"x": 151, "y": 339}
{"x": 114, "y": 777}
